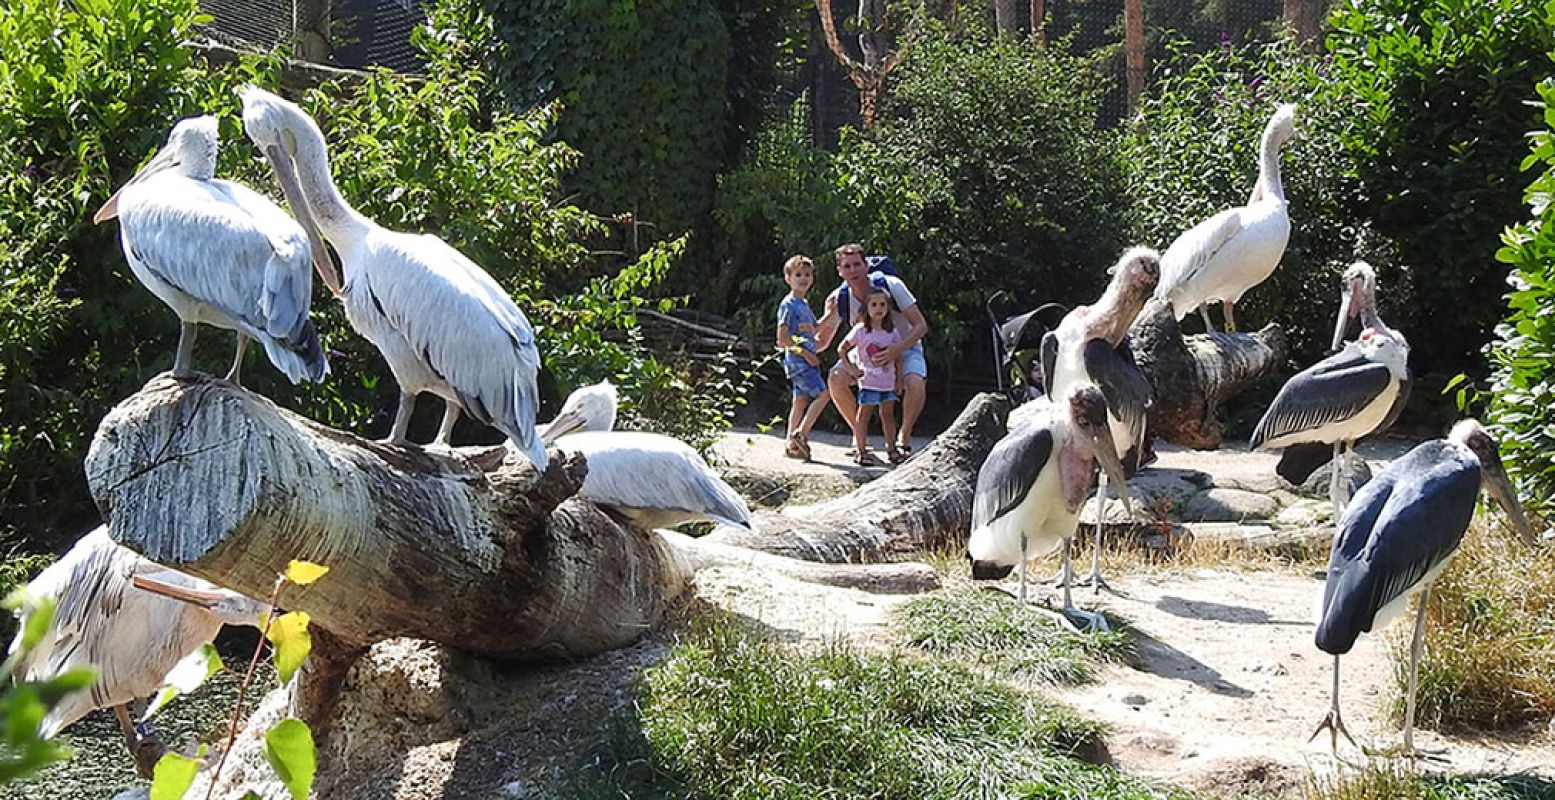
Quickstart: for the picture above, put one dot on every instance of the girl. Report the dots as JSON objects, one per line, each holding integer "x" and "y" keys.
{"x": 877, "y": 385}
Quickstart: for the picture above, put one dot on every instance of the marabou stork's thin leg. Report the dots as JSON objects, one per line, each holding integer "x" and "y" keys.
{"x": 233, "y": 374}
{"x": 1335, "y": 469}
{"x": 1023, "y": 566}
{"x": 1408, "y": 749}
{"x": 1209, "y": 327}
{"x": 402, "y": 419}
{"x": 1229, "y": 308}
{"x": 1332, "y": 721}
{"x": 1093, "y": 621}
{"x": 446, "y": 430}
{"x": 186, "y": 333}
{"x": 1096, "y": 582}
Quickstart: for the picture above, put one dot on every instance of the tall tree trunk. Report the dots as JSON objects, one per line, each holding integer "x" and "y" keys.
{"x": 869, "y": 75}
{"x": 1134, "y": 48}
{"x": 1039, "y": 21}
{"x": 1306, "y": 18}
{"x": 1005, "y": 18}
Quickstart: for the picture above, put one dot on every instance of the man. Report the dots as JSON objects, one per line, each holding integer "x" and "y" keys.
{"x": 907, "y": 318}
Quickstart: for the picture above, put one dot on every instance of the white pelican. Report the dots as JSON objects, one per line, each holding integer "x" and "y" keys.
{"x": 442, "y": 323}
{"x": 110, "y": 614}
{"x": 219, "y": 253}
{"x": 589, "y": 408}
{"x": 1088, "y": 348}
{"x": 1398, "y": 535}
{"x": 1031, "y": 487}
{"x": 656, "y": 480}
{"x": 1237, "y": 249}
{"x": 1352, "y": 394}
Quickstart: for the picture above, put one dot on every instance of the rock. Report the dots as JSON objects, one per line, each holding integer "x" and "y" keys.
{"x": 1167, "y": 490}
{"x": 1228, "y": 505}
{"x": 1113, "y": 513}
{"x": 1262, "y": 538}
{"x": 1136, "y": 700}
{"x": 1305, "y": 514}
{"x": 1316, "y": 485}
{"x": 757, "y": 487}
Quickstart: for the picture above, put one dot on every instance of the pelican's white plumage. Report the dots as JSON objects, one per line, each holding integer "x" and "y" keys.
{"x": 1222, "y": 257}
{"x": 219, "y": 253}
{"x": 657, "y": 480}
{"x": 442, "y": 323}
{"x": 132, "y": 637}
{"x": 589, "y": 408}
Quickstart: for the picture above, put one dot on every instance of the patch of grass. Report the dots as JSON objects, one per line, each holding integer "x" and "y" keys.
{"x": 1386, "y": 780}
{"x": 17, "y": 567}
{"x": 1489, "y": 659}
{"x": 728, "y": 715}
{"x": 997, "y": 632}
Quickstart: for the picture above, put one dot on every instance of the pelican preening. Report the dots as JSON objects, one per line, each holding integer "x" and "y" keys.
{"x": 589, "y": 408}
{"x": 1397, "y": 536}
{"x": 441, "y": 322}
{"x": 1237, "y": 249}
{"x": 219, "y": 253}
{"x": 110, "y": 613}
{"x": 656, "y": 480}
{"x": 1088, "y": 348}
{"x": 1352, "y": 394}
{"x": 1031, "y": 487}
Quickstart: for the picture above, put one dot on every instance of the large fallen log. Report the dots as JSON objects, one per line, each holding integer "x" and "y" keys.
{"x": 451, "y": 546}
{"x": 1190, "y": 376}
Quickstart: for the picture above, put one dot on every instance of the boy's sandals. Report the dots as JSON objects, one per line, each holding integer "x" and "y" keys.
{"x": 797, "y": 447}
{"x": 867, "y": 459}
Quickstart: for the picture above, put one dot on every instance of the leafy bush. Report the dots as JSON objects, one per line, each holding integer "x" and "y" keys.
{"x": 1194, "y": 153}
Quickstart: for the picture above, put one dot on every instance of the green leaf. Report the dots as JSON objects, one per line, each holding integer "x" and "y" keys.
{"x": 187, "y": 675}
{"x": 289, "y": 749}
{"x": 174, "y": 774}
{"x": 289, "y": 634}
{"x": 303, "y": 573}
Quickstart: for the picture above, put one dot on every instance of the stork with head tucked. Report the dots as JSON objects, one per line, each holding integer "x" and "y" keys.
{"x": 590, "y": 408}
{"x": 1089, "y": 348}
{"x": 442, "y": 323}
{"x": 657, "y": 481}
{"x": 1352, "y": 394}
{"x": 218, "y": 253}
{"x": 1398, "y": 535}
{"x": 132, "y": 620}
{"x": 1237, "y": 249}
{"x": 1031, "y": 488}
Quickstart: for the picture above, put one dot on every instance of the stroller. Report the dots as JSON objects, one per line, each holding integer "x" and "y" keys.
{"x": 1017, "y": 343}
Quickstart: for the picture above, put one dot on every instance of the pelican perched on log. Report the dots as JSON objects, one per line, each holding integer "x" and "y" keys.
{"x": 130, "y": 619}
{"x": 442, "y": 323}
{"x": 590, "y": 408}
{"x": 1359, "y": 391}
{"x": 1398, "y": 535}
{"x": 1089, "y": 348}
{"x": 1031, "y": 487}
{"x": 655, "y": 480}
{"x": 1237, "y": 249}
{"x": 219, "y": 253}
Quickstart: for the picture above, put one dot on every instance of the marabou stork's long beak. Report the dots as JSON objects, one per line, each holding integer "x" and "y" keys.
{"x": 1499, "y": 485}
{"x": 1107, "y": 456}
{"x": 291, "y": 187}
{"x": 1346, "y": 309}
{"x": 195, "y": 597}
{"x": 161, "y": 161}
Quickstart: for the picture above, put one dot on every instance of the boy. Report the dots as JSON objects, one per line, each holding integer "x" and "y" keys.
{"x": 796, "y": 340}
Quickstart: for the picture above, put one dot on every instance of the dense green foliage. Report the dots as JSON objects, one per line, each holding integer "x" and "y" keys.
{"x": 728, "y": 715}
{"x": 24, "y": 703}
{"x": 986, "y": 170}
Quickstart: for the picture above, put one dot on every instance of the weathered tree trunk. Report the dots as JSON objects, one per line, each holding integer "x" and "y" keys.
{"x": 1134, "y": 50}
{"x": 1039, "y": 21}
{"x": 1005, "y": 19}
{"x": 925, "y": 504}
{"x": 869, "y": 75}
{"x": 1190, "y": 376}
{"x": 1305, "y": 18}
{"x": 219, "y": 482}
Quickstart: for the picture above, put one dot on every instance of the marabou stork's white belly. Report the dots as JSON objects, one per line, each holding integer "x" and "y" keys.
{"x": 1245, "y": 261}
{"x": 1398, "y": 605}
{"x": 1041, "y": 515}
{"x": 410, "y": 369}
{"x": 1346, "y": 430}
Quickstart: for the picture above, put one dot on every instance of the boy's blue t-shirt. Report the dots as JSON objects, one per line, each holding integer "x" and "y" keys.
{"x": 795, "y": 313}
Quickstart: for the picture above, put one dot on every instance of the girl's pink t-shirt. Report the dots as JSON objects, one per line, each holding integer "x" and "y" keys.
{"x": 868, "y": 343}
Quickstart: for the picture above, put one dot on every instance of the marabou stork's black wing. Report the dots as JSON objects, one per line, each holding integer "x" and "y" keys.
{"x": 1398, "y": 402}
{"x": 1124, "y": 386}
{"x": 1332, "y": 390}
{"x": 1399, "y": 526}
{"x": 1010, "y": 470}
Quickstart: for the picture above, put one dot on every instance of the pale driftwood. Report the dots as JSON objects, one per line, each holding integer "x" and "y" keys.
{"x": 897, "y": 578}
{"x": 219, "y": 482}
{"x": 1190, "y": 376}
{"x": 923, "y": 505}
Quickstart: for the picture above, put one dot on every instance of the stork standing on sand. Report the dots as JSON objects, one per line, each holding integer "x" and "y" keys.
{"x": 1226, "y": 255}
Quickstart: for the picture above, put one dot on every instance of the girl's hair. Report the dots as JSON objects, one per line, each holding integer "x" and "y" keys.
{"x": 869, "y": 324}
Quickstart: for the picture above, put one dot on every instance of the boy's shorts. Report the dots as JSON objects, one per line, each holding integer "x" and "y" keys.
{"x": 807, "y": 381}
{"x": 871, "y": 397}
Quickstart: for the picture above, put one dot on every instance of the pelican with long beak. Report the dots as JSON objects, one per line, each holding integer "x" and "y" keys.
{"x": 221, "y": 254}
{"x": 588, "y": 409}
{"x": 1032, "y": 486}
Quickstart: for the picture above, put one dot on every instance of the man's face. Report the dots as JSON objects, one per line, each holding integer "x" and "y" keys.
{"x": 851, "y": 267}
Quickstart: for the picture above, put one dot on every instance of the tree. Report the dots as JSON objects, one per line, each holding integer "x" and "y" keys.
{"x": 868, "y": 75}
{"x": 1305, "y": 18}
{"x": 1134, "y": 47}
{"x": 1004, "y": 18}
